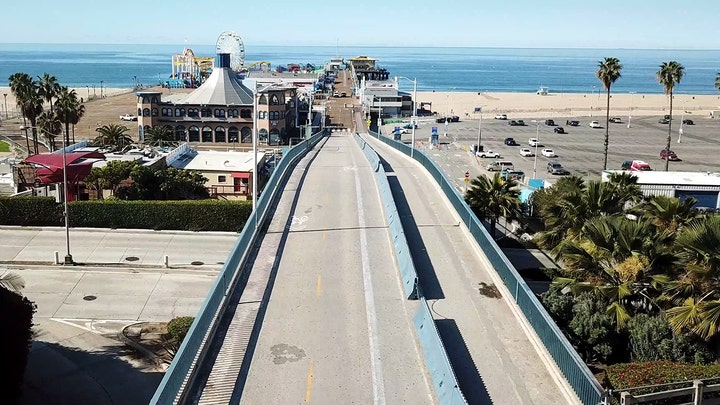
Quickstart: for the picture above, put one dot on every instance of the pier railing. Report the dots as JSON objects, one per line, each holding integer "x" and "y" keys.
{"x": 581, "y": 379}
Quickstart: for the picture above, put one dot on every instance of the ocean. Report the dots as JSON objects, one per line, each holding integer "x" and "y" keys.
{"x": 436, "y": 69}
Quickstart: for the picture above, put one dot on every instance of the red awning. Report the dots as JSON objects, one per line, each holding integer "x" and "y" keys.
{"x": 241, "y": 175}
{"x": 51, "y": 170}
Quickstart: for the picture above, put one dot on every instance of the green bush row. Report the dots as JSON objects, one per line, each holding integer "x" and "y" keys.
{"x": 625, "y": 375}
{"x": 189, "y": 215}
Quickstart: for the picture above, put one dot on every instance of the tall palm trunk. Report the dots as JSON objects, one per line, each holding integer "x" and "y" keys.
{"x": 607, "y": 128}
{"x": 27, "y": 140}
{"x": 73, "y": 133}
{"x": 67, "y": 134}
{"x": 33, "y": 122}
{"x": 667, "y": 160}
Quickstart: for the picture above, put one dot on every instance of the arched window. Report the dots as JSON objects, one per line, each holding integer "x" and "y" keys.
{"x": 219, "y": 113}
{"x": 245, "y": 113}
{"x": 193, "y": 112}
{"x": 206, "y": 112}
{"x": 233, "y": 134}
{"x": 274, "y": 115}
{"x": 155, "y": 100}
{"x": 179, "y": 112}
{"x": 262, "y": 115}
{"x": 166, "y": 112}
{"x": 180, "y": 133}
{"x": 233, "y": 112}
{"x": 139, "y": 112}
{"x": 194, "y": 134}
{"x": 246, "y": 134}
{"x": 146, "y": 112}
{"x": 274, "y": 100}
{"x": 207, "y": 134}
{"x": 220, "y": 134}
{"x": 263, "y": 135}
{"x": 274, "y": 137}
{"x": 154, "y": 112}
{"x": 262, "y": 100}
{"x": 145, "y": 100}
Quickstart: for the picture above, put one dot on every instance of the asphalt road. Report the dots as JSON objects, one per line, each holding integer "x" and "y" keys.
{"x": 337, "y": 328}
{"x": 491, "y": 354}
{"x": 581, "y": 150}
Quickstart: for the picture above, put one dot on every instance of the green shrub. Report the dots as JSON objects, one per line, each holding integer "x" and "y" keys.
{"x": 178, "y": 327}
{"x": 628, "y": 375}
{"x": 30, "y": 211}
{"x": 651, "y": 339}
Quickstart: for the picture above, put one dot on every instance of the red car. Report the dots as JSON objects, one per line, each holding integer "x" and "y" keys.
{"x": 668, "y": 154}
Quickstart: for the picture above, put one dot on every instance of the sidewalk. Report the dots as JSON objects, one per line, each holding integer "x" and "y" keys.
{"x": 90, "y": 246}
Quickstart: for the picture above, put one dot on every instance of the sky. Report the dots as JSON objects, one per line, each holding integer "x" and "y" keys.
{"x": 635, "y": 24}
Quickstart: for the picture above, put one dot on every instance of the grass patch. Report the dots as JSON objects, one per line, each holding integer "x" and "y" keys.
{"x": 4, "y": 146}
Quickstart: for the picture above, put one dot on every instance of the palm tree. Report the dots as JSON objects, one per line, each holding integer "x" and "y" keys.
{"x": 67, "y": 109}
{"x": 11, "y": 281}
{"x": 608, "y": 72}
{"x": 160, "y": 135}
{"x": 668, "y": 76}
{"x": 491, "y": 199}
{"x": 28, "y": 98}
{"x": 19, "y": 82}
{"x": 669, "y": 212}
{"x": 717, "y": 81}
{"x": 49, "y": 88}
{"x": 76, "y": 117}
{"x": 112, "y": 135}
{"x": 626, "y": 186}
{"x": 51, "y": 125}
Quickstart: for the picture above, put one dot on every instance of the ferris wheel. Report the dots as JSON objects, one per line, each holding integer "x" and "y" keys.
{"x": 230, "y": 42}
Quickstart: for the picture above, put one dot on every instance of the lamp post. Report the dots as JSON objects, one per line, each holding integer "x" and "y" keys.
{"x": 101, "y": 88}
{"x": 632, "y": 93}
{"x": 413, "y": 118}
{"x": 6, "y": 112}
{"x": 255, "y": 140}
{"x": 479, "y": 130}
{"x": 682, "y": 121}
{"x": 537, "y": 141}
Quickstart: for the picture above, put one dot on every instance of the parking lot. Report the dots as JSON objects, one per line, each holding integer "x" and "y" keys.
{"x": 580, "y": 149}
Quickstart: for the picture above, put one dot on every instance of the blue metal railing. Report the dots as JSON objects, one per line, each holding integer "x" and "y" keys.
{"x": 191, "y": 350}
{"x": 586, "y": 386}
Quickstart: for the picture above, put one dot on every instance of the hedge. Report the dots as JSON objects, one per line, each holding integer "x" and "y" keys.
{"x": 190, "y": 215}
{"x": 629, "y": 375}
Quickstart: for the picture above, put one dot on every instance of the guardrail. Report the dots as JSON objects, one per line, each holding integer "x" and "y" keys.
{"x": 693, "y": 394}
{"x": 402, "y": 251}
{"x": 583, "y": 382}
{"x": 192, "y": 349}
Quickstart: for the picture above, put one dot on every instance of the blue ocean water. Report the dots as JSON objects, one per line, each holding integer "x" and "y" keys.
{"x": 439, "y": 69}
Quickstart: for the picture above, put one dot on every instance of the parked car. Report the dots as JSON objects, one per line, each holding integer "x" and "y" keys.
{"x": 594, "y": 124}
{"x": 556, "y": 168}
{"x": 521, "y": 123}
{"x": 410, "y": 126}
{"x": 572, "y": 123}
{"x": 526, "y": 152}
{"x": 510, "y": 142}
{"x": 559, "y": 130}
{"x": 533, "y": 142}
{"x": 550, "y": 123}
{"x": 454, "y": 118}
{"x": 639, "y": 166}
{"x": 128, "y": 117}
{"x": 487, "y": 154}
{"x": 500, "y": 165}
{"x": 549, "y": 153}
{"x": 616, "y": 120}
{"x": 688, "y": 122}
{"x": 664, "y": 121}
{"x": 343, "y": 94}
{"x": 517, "y": 123}
{"x": 336, "y": 94}
{"x": 449, "y": 118}
{"x": 626, "y": 164}
{"x": 500, "y": 116}
{"x": 668, "y": 154}
{"x": 512, "y": 174}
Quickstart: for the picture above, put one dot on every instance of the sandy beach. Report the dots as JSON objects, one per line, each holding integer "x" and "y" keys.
{"x": 531, "y": 105}
{"x": 86, "y": 93}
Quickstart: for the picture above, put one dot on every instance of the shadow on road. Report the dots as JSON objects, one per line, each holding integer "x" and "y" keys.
{"x": 468, "y": 377}
{"x": 427, "y": 279}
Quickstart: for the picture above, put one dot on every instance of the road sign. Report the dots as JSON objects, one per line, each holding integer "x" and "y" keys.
{"x": 467, "y": 174}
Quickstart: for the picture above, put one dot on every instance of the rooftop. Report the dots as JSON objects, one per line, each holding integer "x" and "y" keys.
{"x": 675, "y": 178}
{"x": 217, "y": 161}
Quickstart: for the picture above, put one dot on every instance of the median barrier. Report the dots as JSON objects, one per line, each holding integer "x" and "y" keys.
{"x": 402, "y": 251}
{"x": 193, "y": 348}
{"x": 576, "y": 372}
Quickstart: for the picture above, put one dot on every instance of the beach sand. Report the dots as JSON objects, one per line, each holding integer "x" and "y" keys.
{"x": 531, "y": 105}
{"x": 86, "y": 93}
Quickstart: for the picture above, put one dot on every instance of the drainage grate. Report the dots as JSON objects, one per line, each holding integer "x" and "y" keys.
{"x": 89, "y": 298}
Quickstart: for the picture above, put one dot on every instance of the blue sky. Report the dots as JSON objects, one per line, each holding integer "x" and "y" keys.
{"x": 521, "y": 23}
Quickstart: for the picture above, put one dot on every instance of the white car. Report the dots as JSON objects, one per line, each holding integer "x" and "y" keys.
{"x": 549, "y": 153}
{"x": 594, "y": 124}
{"x": 500, "y": 116}
{"x": 525, "y": 152}
{"x": 487, "y": 154}
{"x": 533, "y": 142}
{"x": 128, "y": 117}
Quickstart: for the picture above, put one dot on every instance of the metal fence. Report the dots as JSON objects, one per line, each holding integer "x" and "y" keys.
{"x": 586, "y": 386}
{"x": 192, "y": 349}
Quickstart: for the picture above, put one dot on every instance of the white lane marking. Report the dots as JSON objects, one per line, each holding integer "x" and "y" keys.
{"x": 375, "y": 361}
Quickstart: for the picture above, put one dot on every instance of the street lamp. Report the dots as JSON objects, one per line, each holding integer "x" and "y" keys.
{"x": 413, "y": 118}
{"x": 255, "y": 140}
{"x": 6, "y": 113}
{"x": 682, "y": 121}
{"x": 101, "y": 88}
{"x": 479, "y": 129}
{"x": 632, "y": 93}
{"x": 537, "y": 141}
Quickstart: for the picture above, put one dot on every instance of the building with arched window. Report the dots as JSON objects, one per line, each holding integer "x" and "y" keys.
{"x": 221, "y": 110}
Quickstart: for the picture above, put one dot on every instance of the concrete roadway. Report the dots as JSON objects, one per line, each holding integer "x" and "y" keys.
{"x": 337, "y": 328}
{"x": 479, "y": 331}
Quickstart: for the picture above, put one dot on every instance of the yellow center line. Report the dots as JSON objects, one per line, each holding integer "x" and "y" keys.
{"x": 319, "y": 285}
{"x": 308, "y": 392}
